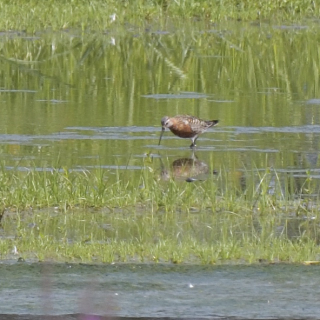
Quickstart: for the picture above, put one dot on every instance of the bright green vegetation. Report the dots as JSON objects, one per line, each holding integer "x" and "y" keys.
{"x": 244, "y": 217}
{"x": 91, "y": 99}
{"x": 95, "y": 14}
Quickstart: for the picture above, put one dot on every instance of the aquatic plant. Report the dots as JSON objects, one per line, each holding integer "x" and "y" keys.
{"x": 83, "y": 216}
{"x": 96, "y": 15}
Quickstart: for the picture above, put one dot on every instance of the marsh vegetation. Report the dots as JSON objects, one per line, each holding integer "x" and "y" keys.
{"x": 82, "y": 94}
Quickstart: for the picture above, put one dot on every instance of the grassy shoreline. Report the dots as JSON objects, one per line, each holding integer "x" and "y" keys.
{"x": 245, "y": 216}
{"x": 33, "y": 16}
{"x": 82, "y": 217}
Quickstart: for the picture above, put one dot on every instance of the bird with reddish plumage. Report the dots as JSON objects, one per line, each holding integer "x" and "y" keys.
{"x": 185, "y": 126}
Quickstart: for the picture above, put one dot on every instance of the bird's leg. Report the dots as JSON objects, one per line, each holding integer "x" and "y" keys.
{"x": 193, "y": 144}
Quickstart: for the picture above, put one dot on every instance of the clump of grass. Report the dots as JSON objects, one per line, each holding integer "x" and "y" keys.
{"x": 85, "y": 216}
{"x": 98, "y": 15}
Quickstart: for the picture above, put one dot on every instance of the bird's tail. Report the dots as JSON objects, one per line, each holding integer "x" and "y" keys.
{"x": 212, "y": 122}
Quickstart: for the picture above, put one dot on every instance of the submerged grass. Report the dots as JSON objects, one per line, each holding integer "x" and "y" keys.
{"x": 98, "y": 15}
{"x": 83, "y": 216}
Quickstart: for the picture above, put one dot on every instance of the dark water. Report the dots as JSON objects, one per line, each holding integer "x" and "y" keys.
{"x": 161, "y": 291}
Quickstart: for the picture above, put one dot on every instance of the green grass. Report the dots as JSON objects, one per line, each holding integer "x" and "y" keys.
{"x": 95, "y": 14}
{"x": 242, "y": 216}
{"x": 83, "y": 216}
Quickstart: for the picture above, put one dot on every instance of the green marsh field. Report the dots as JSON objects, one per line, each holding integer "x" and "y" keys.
{"x": 84, "y": 85}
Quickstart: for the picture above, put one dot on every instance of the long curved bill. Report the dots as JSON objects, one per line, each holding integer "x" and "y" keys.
{"x": 162, "y": 131}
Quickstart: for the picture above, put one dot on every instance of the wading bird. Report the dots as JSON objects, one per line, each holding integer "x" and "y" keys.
{"x": 185, "y": 126}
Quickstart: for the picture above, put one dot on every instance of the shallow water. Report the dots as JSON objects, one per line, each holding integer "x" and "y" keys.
{"x": 82, "y": 100}
{"x": 86, "y": 100}
{"x": 161, "y": 291}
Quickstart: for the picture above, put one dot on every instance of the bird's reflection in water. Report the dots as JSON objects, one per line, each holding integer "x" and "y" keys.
{"x": 186, "y": 169}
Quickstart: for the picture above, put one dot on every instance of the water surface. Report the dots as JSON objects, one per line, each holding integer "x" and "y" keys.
{"x": 91, "y": 99}
{"x": 161, "y": 291}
